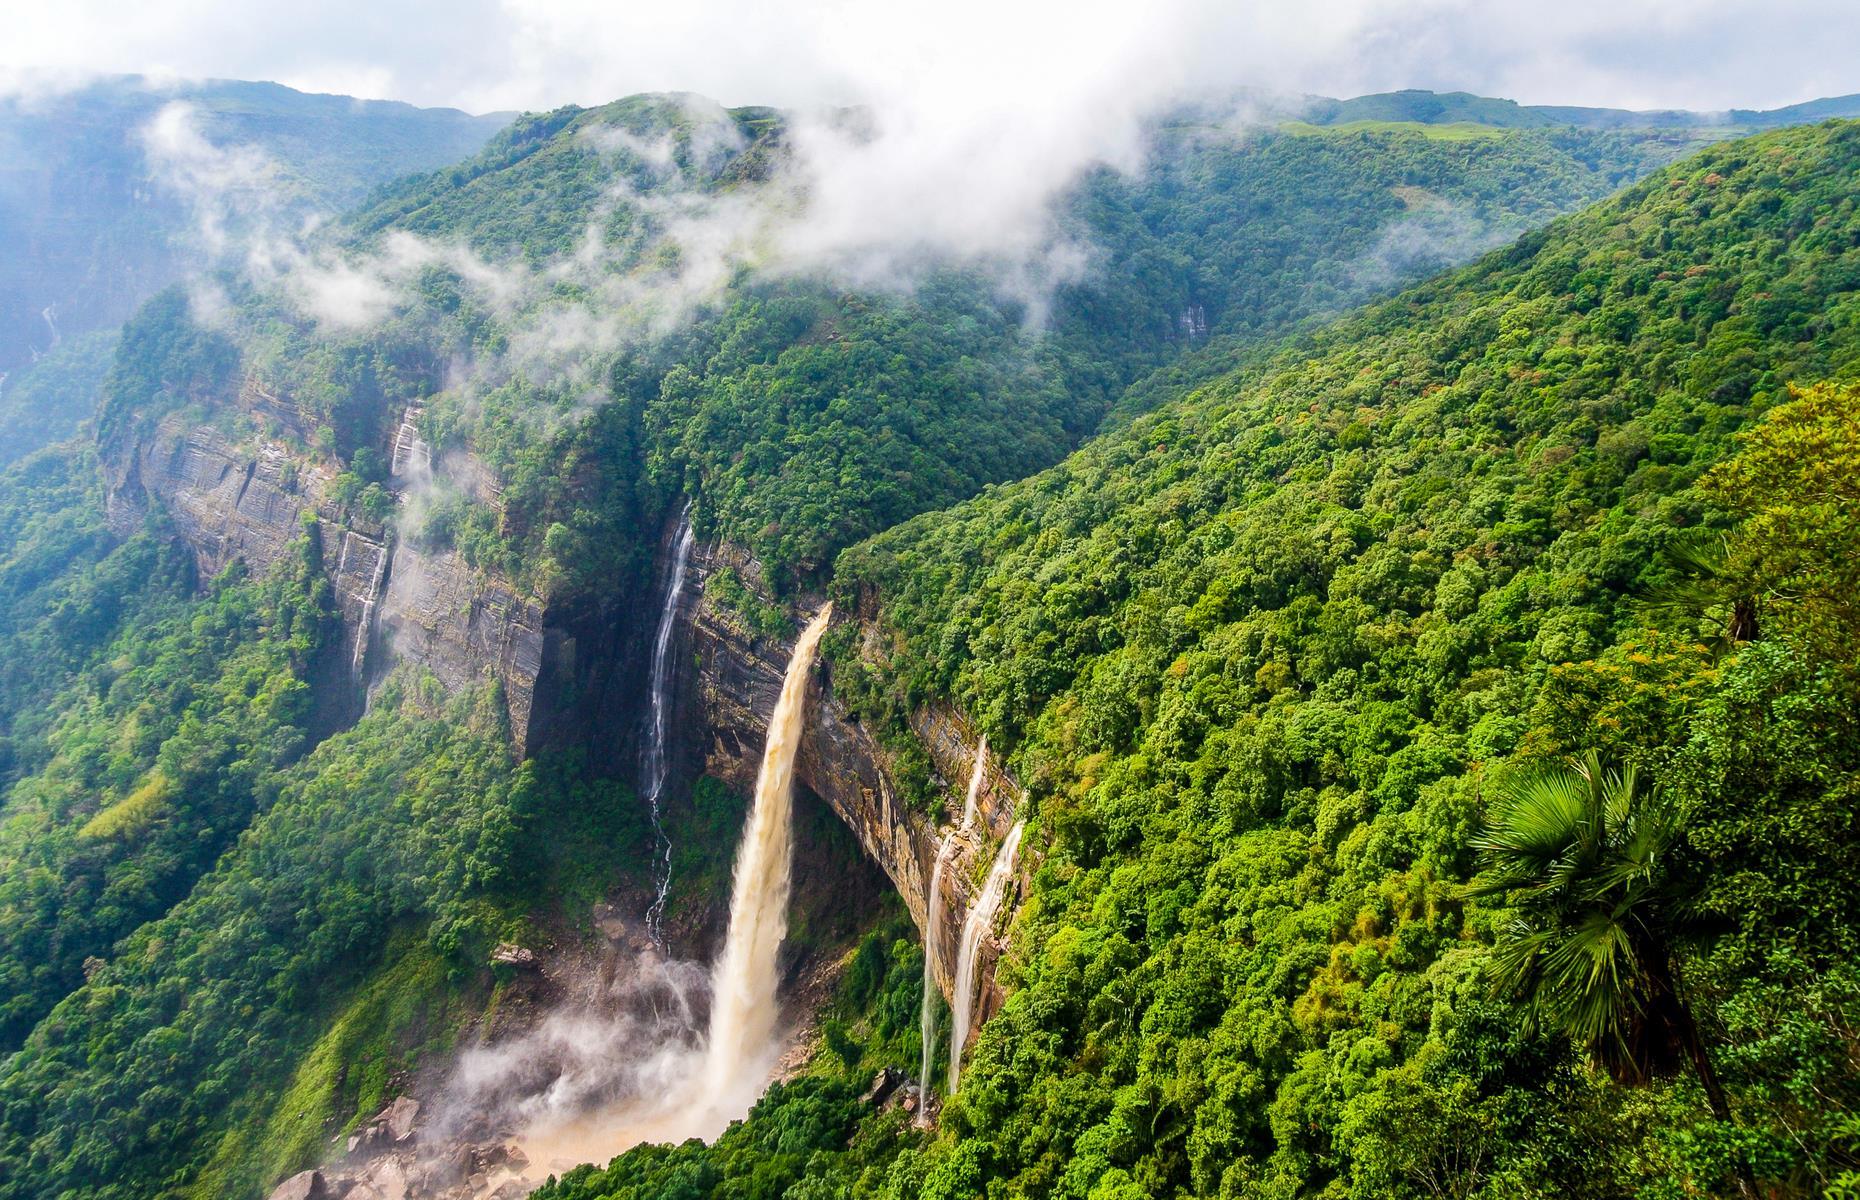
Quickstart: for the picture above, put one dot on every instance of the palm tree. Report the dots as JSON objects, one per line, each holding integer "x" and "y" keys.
{"x": 1581, "y": 853}
{"x": 1705, "y": 584}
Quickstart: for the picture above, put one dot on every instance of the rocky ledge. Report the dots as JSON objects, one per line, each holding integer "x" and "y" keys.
{"x": 248, "y": 497}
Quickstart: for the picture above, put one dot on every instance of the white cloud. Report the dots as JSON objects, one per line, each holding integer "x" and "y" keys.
{"x": 981, "y": 109}
{"x": 540, "y": 53}
{"x": 974, "y": 114}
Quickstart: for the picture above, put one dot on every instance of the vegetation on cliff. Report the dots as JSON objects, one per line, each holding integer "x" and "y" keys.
{"x": 1260, "y": 655}
{"x": 1261, "y": 651}
{"x": 799, "y": 414}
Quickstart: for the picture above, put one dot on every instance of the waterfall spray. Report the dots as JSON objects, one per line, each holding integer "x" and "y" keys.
{"x": 743, "y": 983}
{"x": 979, "y": 925}
{"x": 655, "y": 763}
{"x": 933, "y": 923}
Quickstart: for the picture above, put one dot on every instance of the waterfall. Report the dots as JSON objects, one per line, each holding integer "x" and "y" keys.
{"x": 976, "y": 775}
{"x": 743, "y": 982}
{"x": 979, "y": 925}
{"x": 366, "y": 631}
{"x": 933, "y": 923}
{"x": 411, "y": 458}
{"x": 655, "y": 763}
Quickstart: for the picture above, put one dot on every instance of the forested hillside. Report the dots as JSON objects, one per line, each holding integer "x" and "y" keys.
{"x": 1270, "y": 656}
{"x": 799, "y": 414}
{"x": 1310, "y": 596}
{"x": 94, "y": 219}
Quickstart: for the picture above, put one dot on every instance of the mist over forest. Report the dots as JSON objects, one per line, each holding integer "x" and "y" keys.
{"x": 779, "y": 602}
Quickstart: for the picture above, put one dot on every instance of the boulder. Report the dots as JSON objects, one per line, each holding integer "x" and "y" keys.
{"x": 305, "y": 1185}
{"x": 447, "y": 1169}
{"x": 512, "y": 955}
{"x": 884, "y": 1084}
{"x": 398, "y": 1118}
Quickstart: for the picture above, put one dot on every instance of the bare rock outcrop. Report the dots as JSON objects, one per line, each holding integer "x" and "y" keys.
{"x": 248, "y": 497}
{"x": 305, "y": 1185}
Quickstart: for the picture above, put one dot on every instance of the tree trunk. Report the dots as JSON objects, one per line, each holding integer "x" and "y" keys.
{"x": 1708, "y": 1078}
{"x": 1743, "y": 619}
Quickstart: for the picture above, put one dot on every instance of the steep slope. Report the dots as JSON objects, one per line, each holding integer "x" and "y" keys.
{"x": 382, "y": 866}
{"x": 799, "y": 416}
{"x": 1254, "y": 654}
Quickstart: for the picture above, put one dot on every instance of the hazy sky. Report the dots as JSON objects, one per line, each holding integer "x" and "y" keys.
{"x": 996, "y": 55}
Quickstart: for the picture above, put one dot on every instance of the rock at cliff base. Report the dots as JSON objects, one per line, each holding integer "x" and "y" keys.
{"x": 512, "y": 955}
{"x": 399, "y": 1117}
{"x": 305, "y": 1185}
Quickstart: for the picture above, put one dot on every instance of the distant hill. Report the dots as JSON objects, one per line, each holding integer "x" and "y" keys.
{"x": 86, "y": 235}
{"x": 1446, "y": 108}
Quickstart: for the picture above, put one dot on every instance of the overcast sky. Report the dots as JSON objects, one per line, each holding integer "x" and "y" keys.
{"x": 494, "y": 54}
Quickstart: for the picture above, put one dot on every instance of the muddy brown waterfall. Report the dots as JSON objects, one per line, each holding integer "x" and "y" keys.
{"x": 743, "y": 983}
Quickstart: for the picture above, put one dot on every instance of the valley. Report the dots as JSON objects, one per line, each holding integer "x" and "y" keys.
{"x": 575, "y": 683}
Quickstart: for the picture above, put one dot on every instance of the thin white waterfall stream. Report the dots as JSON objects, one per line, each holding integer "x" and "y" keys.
{"x": 366, "y": 632}
{"x": 933, "y": 922}
{"x": 978, "y": 773}
{"x": 655, "y": 764}
{"x": 933, "y": 926}
{"x": 979, "y": 925}
{"x": 743, "y": 982}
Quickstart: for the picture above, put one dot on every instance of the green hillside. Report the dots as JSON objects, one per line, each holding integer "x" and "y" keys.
{"x": 1445, "y": 108}
{"x": 1265, "y": 656}
{"x": 89, "y": 229}
{"x": 1271, "y": 657}
{"x": 802, "y": 416}
{"x": 1265, "y": 604}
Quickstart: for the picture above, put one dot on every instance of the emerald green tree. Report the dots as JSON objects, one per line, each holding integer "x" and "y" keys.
{"x": 1581, "y": 852}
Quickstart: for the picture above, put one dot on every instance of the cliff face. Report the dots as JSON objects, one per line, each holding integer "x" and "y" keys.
{"x": 577, "y": 675}
{"x": 249, "y": 497}
{"x": 738, "y": 677}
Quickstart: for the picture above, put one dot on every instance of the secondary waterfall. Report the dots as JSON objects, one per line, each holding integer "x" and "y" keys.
{"x": 933, "y": 926}
{"x": 655, "y": 763}
{"x": 933, "y": 921}
{"x": 979, "y": 925}
{"x": 977, "y": 774}
{"x": 743, "y": 983}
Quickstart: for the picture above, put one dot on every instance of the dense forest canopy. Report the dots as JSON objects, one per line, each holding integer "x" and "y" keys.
{"x": 1261, "y": 654}
{"x": 100, "y": 194}
{"x": 802, "y": 414}
{"x": 1291, "y": 616}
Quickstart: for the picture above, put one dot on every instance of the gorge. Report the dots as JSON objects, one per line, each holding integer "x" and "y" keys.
{"x": 569, "y": 718}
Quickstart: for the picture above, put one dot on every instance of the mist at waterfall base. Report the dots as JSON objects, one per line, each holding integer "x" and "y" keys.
{"x": 614, "y": 1068}
{"x": 662, "y": 1049}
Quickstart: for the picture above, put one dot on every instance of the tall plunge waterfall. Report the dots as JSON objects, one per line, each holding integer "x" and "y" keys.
{"x": 743, "y": 982}
{"x": 655, "y": 764}
{"x": 979, "y": 925}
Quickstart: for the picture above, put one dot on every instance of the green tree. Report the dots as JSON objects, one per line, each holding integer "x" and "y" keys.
{"x": 1796, "y": 481}
{"x": 1581, "y": 852}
